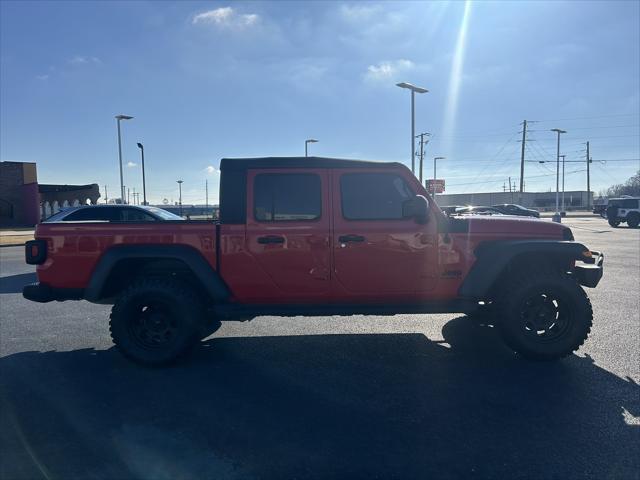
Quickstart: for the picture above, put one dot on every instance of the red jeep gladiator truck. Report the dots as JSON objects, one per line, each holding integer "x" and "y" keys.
{"x": 318, "y": 236}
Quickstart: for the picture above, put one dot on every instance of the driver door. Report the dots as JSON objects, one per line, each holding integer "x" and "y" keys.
{"x": 376, "y": 251}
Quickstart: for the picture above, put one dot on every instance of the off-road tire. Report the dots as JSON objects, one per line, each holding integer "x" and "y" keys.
{"x": 156, "y": 321}
{"x": 545, "y": 315}
{"x": 614, "y": 223}
{"x": 633, "y": 219}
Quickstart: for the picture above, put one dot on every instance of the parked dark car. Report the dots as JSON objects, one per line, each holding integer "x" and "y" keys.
{"x": 112, "y": 213}
{"x": 470, "y": 210}
{"x": 513, "y": 209}
{"x": 600, "y": 209}
{"x": 450, "y": 209}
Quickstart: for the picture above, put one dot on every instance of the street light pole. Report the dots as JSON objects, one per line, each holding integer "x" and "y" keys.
{"x": 414, "y": 90}
{"x": 562, "y": 210}
{"x": 119, "y": 118}
{"x": 306, "y": 143}
{"x": 180, "y": 194}
{"x": 557, "y": 217}
{"x": 144, "y": 187}
{"x": 435, "y": 159}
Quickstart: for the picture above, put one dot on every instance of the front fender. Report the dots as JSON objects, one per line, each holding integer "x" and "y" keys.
{"x": 493, "y": 258}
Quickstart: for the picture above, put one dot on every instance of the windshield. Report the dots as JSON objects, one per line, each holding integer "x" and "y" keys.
{"x": 163, "y": 214}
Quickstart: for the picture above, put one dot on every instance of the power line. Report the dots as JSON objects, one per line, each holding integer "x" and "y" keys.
{"x": 594, "y": 128}
{"x": 588, "y": 118}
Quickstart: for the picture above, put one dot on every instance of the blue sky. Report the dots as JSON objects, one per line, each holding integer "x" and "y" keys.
{"x": 205, "y": 80}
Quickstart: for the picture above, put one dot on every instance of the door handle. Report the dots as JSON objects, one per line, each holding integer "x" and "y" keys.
{"x": 270, "y": 239}
{"x": 350, "y": 238}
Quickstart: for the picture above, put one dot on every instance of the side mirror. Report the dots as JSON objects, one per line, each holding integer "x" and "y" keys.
{"x": 416, "y": 208}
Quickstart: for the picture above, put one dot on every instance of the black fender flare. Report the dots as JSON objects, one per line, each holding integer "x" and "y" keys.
{"x": 493, "y": 257}
{"x": 210, "y": 279}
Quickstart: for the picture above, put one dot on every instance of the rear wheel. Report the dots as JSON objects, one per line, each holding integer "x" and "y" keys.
{"x": 633, "y": 219}
{"x": 155, "y": 321}
{"x": 545, "y": 315}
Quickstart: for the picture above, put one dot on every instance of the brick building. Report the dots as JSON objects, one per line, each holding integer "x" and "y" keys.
{"x": 19, "y": 199}
{"x": 24, "y": 202}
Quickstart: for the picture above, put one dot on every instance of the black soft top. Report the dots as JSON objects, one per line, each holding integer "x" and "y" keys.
{"x": 237, "y": 164}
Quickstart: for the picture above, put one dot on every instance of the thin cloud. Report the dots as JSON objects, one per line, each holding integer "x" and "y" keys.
{"x": 132, "y": 164}
{"x": 211, "y": 169}
{"x": 83, "y": 60}
{"x": 388, "y": 70}
{"x": 358, "y": 12}
{"x": 226, "y": 17}
{"x": 42, "y": 77}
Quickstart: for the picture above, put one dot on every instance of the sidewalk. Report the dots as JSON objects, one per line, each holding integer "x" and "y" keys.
{"x": 15, "y": 237}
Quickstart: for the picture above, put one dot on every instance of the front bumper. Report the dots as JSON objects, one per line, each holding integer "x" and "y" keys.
{"x": 43, "y": 293}
{"x": 589, "y": 271}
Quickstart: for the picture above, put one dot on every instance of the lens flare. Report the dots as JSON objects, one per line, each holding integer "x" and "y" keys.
{"x": 455, "y": 78}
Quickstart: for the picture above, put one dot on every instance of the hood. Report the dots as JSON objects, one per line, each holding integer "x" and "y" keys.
{"x": 512, "y": 225}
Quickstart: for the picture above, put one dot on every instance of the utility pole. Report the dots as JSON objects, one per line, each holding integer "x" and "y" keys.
{"x": 134, "y": 195}
{"x": 524, "y": 139}
{"x": 510, "y": 190}
{"x": 422, "y": 144}
{"x": 106, "y": 195}
{"x": 588, "y": 180}
{"x": 128, "y": 195}
{"x": 206, "y": 193}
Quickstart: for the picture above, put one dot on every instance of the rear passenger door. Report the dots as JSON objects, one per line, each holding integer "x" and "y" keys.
{"x": 288, "y": 228}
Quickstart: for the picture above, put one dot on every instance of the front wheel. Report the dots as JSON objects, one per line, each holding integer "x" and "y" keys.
{"x": 633, "y": 220}
{"x": 155, "y": 321}
{"x": 545, "y": 316}
{"x": 614, "y": 223}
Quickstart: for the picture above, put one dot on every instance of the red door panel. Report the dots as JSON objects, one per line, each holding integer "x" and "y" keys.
{"x": 288, "y": 231}
{"x": 375, "y": 250}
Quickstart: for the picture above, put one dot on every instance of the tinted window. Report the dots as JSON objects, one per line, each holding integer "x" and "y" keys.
{"x": 98, "y": 214}
{"x": 163, "y": 214}
{"x": 135, "y": 215}
{"x": 373, "y": 196}
{"x": 286, "y": 197}
{"x": 624, "y": 203}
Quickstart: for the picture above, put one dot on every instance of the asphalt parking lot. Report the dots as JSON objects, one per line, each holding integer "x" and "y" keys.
{"x": 409, "y": 396}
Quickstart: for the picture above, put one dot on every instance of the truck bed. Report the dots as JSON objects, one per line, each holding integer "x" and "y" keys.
{"x": 77, "y": 247}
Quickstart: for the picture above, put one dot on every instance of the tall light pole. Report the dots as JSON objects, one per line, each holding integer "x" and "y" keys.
{"x": 119, "y": 118}
{"x": 435, "y": 159}
{"x": 414, "y": 90}
{"x": 144, "y": 187}
{"x": 180, "y": 194}
{"x": 562, "y": 209}
{"x": 556, "y": 216}
{"x": 306, "y": 143}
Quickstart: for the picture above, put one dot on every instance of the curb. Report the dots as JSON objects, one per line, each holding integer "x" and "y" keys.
{"x": 13, "y": 245}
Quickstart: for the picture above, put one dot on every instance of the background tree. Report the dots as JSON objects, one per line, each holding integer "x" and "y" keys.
{"x": 630, "y": 187}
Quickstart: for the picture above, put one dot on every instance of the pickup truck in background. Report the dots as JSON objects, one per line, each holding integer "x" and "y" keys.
{"x": 318, "y": 236}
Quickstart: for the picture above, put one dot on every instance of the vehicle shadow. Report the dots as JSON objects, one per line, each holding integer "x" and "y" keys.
{"x": 14, "y": 283}
{"x": 326, "y": 406}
